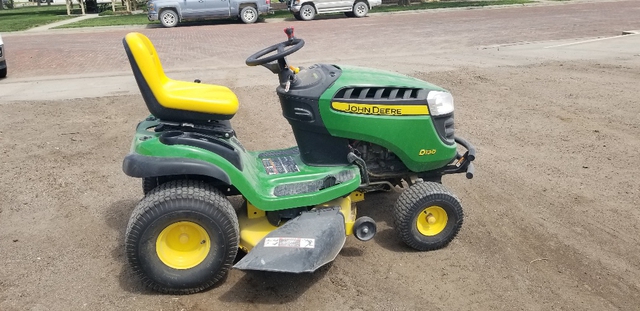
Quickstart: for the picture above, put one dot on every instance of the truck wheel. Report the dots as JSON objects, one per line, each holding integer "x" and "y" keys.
{"x": 3, "y": 73}
{"x": 349, "y": 14}
{"x": 360, "y": 9}
{"x": 182, "y": 238}
{"x": 307, "y": 12}
{"x": 297, "y": 16}
{"x": 249, "y": 15}
{"x": 169, "y": 18}
{"x": 427, "y": 216}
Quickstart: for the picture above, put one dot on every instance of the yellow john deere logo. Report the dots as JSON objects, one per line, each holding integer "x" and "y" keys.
{"x": 383, "y": 110}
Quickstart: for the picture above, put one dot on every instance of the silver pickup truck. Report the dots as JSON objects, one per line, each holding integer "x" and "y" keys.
{"x": 171, "y": 12}
{"x": 306, "y": 10}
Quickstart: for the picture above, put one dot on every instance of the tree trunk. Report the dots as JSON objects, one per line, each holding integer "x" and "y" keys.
{"x": 68, "y": 3}
{"x": 128, "y": 3}
{"x": 81, "y": 3}
{"x": 113, "y": 5}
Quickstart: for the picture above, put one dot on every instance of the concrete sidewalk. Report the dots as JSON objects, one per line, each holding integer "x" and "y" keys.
{"x": 60, "y": 23}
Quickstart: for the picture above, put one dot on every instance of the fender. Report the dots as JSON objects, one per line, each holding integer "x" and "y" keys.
{"x": 174, "y": 5}
{"x": 140, "y": 166}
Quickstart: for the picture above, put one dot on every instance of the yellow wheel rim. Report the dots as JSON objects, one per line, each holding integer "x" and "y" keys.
{"x": 432, "y": 220}
{"x": 183, "y": 245}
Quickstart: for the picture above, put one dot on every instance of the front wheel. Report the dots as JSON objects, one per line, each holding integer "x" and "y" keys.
{"x": 169, "y": 18}
{"x": 182, "y": 238}
{"x": 427, "y": 216}
{"x": 3, "y": 72}
{"x": 249, "y": 15}
{"x": 360, "y": 9}
{"x": 307, "y": 12}
{"x": 297, "y": 16}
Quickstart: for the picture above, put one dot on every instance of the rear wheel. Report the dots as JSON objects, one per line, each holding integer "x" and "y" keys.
{"x": 349, "y": 14}
{"x": 297, "y": 16}
{"x": 3, "y": 72}
{"x": 182, "y": 238}
{"x": 360, "y": 9}
{"x": 169, "y": 18}
{"x": 428, "y": 216}
{"x": 249, "y": 15}
{"x": 307, "y": 12}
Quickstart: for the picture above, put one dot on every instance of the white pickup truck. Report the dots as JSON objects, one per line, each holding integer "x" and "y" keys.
{"x": 306, "y": 10}
{"x": 171, "y": 12}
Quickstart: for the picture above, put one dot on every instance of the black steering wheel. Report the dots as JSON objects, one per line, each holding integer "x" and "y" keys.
{"x": 282, "y": 49}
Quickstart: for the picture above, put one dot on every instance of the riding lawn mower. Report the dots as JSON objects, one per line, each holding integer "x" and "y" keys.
{"x": 357, "y": 130}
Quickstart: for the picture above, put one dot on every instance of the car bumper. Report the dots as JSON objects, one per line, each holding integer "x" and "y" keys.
{"x": 373, "y": 3}
{"x": 3, "y": 64}
{"x": 153, "y": 16}
{"x": 264, "y": 9}
{"x": 295, "y": 8}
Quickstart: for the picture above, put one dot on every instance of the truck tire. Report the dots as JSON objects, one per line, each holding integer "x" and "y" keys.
{"x": 307, "y": 12}
{"x": 3, "y": 73}
{"x": 360, "y": 9}
{"x": 169, "y": 18}
{"x": 249, "y": 15}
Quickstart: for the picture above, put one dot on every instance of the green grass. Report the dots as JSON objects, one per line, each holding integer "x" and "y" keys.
{"x": 141, "y": 19}
{"x": 28, "y": 17}
{"x": 111, "y": 20}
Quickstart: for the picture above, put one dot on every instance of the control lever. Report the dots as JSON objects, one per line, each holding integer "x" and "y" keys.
{"x": 289, "y": 32}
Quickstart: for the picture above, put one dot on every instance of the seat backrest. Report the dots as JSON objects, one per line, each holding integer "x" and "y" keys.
{"x": 147, "y": 69}
{"x": 147, "y": 59}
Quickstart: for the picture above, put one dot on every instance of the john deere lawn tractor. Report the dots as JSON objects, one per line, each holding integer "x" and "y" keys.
{"x": 357, "y": 130}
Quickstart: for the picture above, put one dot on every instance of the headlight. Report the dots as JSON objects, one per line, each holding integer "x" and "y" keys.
{"x": 440, "y": 103}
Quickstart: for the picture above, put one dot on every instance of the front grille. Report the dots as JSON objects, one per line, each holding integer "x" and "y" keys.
{"x": 1, "y": 50}
{"x": 381, "y": 93}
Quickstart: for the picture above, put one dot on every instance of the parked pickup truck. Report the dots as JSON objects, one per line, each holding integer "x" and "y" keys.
{"x": 171, "y": 12}
{"x": 306, "y": 10}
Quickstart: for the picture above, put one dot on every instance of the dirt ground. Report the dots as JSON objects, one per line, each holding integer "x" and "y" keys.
{"x": 551, "y": 216}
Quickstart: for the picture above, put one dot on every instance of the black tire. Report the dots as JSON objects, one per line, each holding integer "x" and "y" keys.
{"x": 3, "y": 73}
{"x": 360, "y": 9}
{"x": 419, "y": 201}
{"x": 150, "y": 183}
{"x": 172, "y": 205}
{"x": 349, "y": 14}
{"x": 297, "y": 16}
{"x": 169, "y": 18}
{"x": 249, "y": 15}
{"x": 307, "y": 12}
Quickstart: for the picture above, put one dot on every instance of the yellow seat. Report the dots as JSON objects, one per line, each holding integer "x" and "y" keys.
{"x": 173, "y": 100}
